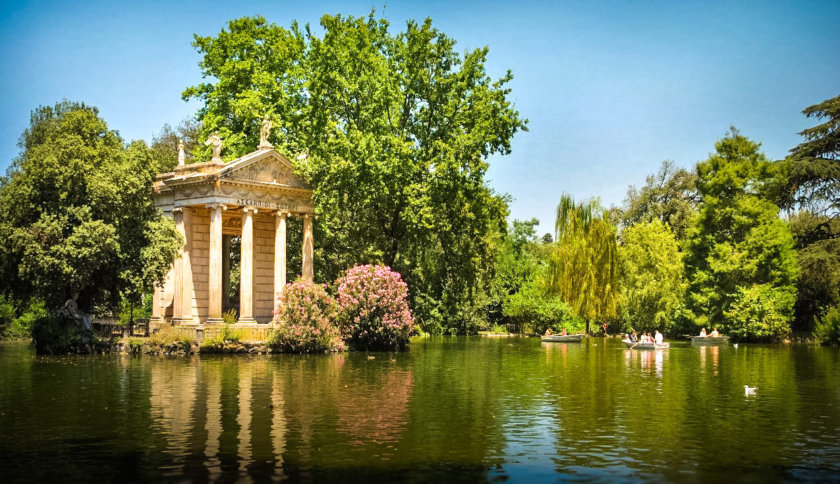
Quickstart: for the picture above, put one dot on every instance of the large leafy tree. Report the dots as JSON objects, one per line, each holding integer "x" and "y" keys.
{"x": 652, "y": 284}
{"x": 813, "y": 189}
{"x": 740, "y": 253}
{"x": 397, "y": 128}
{"x": 77, "y": 215}
{"x": 670, "y": 195}
{"x": 814, "y": 167}
{"x": 583, "y": 265}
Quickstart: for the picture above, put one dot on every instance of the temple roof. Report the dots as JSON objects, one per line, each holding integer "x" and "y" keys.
{"x": 263, "y": 178}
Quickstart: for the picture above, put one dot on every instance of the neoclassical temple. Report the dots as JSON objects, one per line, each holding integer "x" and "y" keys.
{"x": 212, "y": 202}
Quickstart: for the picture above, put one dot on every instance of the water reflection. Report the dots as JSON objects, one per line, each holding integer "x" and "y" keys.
{"x": 475, "y": 408}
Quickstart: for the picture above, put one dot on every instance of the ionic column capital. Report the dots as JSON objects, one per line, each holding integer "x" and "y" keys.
{"x": 281, "y": 213}
{"x": 215, "y": 205}
{"x": 253, "y": 210}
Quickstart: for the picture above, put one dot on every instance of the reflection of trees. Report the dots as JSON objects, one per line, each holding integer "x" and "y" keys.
{"x": 388, "y": 393}
{"x": 447, "y": 405}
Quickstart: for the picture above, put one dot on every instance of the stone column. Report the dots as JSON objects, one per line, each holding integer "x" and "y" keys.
{"x": 178, "y": 292}
{"x": 246, "y": 271}
{"x": 186, "y": 315}
{"x": 279, "y": 258}
{"x": 157, "y": 301}
{"x": 308, "y": 271}
{"x": 226, "y": 303}
{"x": 214, "y": 310}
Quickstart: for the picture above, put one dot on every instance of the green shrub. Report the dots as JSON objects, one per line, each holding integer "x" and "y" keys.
{"x": 227, "y": 334}
{"x": 12, "y": 327}
{"x": 759, "y": 313}
{"x": 229, "y": 316}
{"x": 828, "y": 327}
{"x": 58, "y": 334}
{"x": 169, "y": 336}
{"x": 534, "y": 312}
{"x": 307, "y": 313}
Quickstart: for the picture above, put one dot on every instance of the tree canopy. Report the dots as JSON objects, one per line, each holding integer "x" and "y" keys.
{"x": 652, "y": 284}
{"x": 670, "y": 195}
{"x": 77, "y": 214}
{"x": 395, "y": 128}
{"x": 740, "y": 250}
{"x": 814, "y": 166}
{"x": 583, "y": 265}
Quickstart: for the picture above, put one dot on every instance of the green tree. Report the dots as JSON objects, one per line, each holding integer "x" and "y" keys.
{"x": 652, "y": 284}
{"x": 396, "y": 131}
{"x": 818, "y": 287}
{"x": 77, "y": 214}
{"x": 583, "y": 265}
{"x": 814, "y": 167}
{"x": 670, "y": 195}
{"x": 813, "y": 188}
{"x": 740, "y": 250}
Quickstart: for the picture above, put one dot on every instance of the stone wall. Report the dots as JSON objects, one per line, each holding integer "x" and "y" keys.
{"x": 200, "y": 263}
{"x": 264, "y": 267}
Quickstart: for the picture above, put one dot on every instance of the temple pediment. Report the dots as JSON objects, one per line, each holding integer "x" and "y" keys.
{"x": 267, "y": 166}
{"x": 262, "y": 179}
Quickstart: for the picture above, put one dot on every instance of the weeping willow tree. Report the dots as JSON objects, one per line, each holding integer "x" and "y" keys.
{"x": 583, "y": 263}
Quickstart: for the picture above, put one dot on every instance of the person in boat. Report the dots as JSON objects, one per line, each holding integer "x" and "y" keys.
{"x": 548, "y": 332}
{"x": 702, "y": 332}
{"x": 563, "y": 333}
{"x": 715, "y": 333}
{"x": 634, "y": 337}
{"x": 658, "y": 338}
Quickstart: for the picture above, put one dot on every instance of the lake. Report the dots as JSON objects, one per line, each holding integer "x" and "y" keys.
{"x": 450, "y": 408}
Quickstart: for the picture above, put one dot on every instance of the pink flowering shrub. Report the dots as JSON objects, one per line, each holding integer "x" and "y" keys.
{"x": 373, "y": 311}
{"x": 307, "y": 314}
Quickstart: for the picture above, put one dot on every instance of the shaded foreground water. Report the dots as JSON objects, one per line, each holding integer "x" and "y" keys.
{"x": 449, "y": 408}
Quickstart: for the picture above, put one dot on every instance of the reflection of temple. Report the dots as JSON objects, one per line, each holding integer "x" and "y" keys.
{"x": 216, "y": 423}
{"x": 214, "y": 202}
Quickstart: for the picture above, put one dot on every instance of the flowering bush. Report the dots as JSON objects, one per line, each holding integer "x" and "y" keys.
{"x": 373, "y": 309}
{"x": 306, "y": 313}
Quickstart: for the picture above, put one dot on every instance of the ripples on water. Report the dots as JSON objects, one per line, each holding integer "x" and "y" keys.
{"x": 450, "y": 408}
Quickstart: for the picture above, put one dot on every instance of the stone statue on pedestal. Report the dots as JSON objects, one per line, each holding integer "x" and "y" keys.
{"x": 216, "y": 142}
{"x": 265, "y": 131}
{"x": 181, "y": 155}
{"x": 71, "y": 310}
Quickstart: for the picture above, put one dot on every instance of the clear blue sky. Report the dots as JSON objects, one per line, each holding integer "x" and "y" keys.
{"x": 611, "y": 89}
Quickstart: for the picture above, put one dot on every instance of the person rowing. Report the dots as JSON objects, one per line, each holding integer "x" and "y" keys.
{"x": 702, "y": 332}
{"x": 715, "y": 333}
{"x": 658, "y": 338}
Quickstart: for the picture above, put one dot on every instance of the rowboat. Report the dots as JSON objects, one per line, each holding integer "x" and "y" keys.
{"x": 557, "y": 338}
{"x": 709, "y": 341}
{"x": 646, "y": 346}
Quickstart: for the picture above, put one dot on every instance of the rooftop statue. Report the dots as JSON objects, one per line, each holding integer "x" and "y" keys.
{"x": 216, "y": 142}
{"x": 265, "y": 131}
{"x": 181, "y": 156}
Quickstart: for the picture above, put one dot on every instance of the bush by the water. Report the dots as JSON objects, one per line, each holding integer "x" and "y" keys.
{"x": 20, "y": 327}
{"x": 760, "y": 313}
{"x": 57, "y": 334}
{"x": 373, "y": 308}
{"x": 307, "y": 318}
{"x": 533, "y": 312}
{"x": 828, "y": 328}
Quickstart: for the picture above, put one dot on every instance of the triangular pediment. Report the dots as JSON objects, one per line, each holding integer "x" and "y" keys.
{"x": 267, "y": 166}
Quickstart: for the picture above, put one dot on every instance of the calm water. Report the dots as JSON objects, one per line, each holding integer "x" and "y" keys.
{"x": 471, "y": 409}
